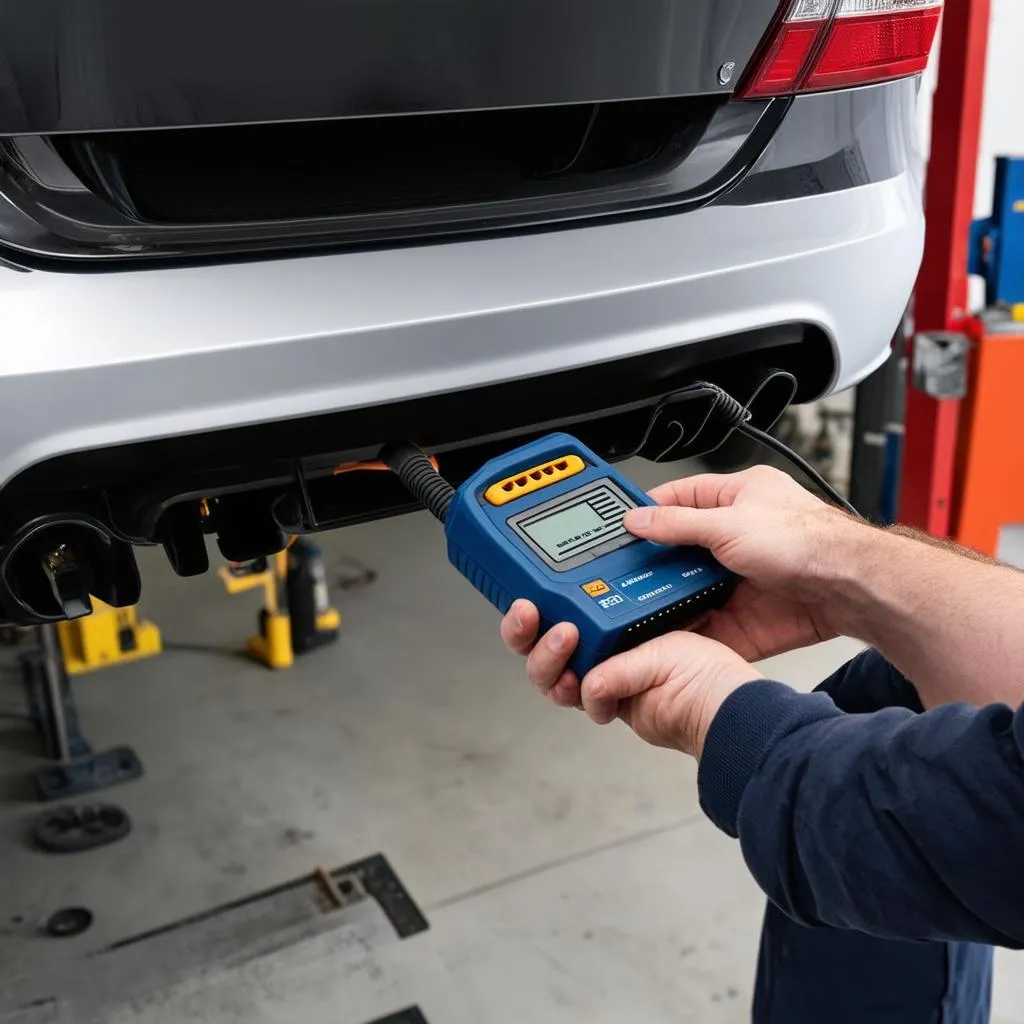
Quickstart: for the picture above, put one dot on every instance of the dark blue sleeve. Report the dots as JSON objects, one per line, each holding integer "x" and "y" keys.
{"x": 870, "y": 683}
{"x": 894, "y": 823}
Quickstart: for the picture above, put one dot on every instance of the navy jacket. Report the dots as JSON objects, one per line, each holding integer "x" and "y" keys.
{"x": 895, "y": 823}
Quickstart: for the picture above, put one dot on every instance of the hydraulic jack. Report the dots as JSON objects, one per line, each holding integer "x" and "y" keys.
{"x": 296, "y": 615}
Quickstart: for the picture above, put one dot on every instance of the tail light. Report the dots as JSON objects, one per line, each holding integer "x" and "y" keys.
{"x": 830, "y": 44}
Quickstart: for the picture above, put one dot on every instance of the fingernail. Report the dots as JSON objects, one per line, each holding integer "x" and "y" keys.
{"x": 557, "y": 640}
{"x": 640, "y": 518}
{"x": 595, "y": 684}
{"x": 517, "y": 619}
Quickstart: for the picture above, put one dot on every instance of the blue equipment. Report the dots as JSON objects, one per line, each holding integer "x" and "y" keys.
{"x": 544, "y": 522}
{"x": 997, "y": 242}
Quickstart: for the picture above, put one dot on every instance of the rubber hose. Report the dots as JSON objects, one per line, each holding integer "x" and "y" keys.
{"x": 423, "y": 482}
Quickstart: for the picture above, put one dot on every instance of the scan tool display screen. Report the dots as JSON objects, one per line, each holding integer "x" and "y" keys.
{"x": 577, "y": 526}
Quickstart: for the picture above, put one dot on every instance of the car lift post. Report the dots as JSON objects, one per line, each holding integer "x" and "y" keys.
{"x": 75, "y": 768}
{"x": 940, "y": 300}
{"x": 49, "y": 647}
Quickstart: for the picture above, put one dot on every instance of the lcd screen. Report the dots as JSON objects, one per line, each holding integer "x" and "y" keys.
{"x": 577, "y": 525}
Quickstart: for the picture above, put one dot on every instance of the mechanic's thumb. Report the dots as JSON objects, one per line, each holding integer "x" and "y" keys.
{"x": 678, "y": 524}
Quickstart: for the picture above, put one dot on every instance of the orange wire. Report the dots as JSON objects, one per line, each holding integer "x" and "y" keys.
{"x": 371, "y": 465}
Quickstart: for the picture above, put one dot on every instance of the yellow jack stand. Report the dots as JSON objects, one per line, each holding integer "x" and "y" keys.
{"x": 109, "y": 636}
{"x": 296, "y": 616}
{"x": 273, "y": 644}
{"x": 328, "y": 621}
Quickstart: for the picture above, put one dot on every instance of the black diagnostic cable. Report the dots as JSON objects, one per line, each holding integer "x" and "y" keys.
{"x": 413, "y": 467}
{"x": 762, "y": 437}
{"x": 737, "y": 417}
{"x": 420, "y": 477}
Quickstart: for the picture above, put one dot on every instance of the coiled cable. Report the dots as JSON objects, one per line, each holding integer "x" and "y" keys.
{"x": 413, "y": 467}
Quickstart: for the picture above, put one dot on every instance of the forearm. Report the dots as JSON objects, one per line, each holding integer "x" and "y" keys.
{"x": 949, "y": 620}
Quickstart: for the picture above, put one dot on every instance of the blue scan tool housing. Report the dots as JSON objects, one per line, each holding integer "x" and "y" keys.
{"x": 556, "y": 538}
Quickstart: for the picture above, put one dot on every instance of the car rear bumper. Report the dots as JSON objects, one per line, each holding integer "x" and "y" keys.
{"x": 97, "y": 360}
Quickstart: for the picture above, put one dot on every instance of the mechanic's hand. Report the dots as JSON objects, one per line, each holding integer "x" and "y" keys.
{"x": 667, "y": 690}
{"x": 771, "y": 531}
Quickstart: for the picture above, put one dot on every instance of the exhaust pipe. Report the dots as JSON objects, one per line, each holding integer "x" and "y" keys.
{"x": 55, "y": 564}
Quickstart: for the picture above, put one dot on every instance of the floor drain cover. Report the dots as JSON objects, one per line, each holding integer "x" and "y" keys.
{"x": 68, "y": 922}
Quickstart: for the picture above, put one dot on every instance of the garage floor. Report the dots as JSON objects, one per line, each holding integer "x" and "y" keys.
{"x": 566, "y": 871}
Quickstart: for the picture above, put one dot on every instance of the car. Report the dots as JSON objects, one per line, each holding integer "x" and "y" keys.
{"x": 243, "y": 246}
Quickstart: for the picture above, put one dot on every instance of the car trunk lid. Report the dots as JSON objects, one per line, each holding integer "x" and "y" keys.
{"x": 67, "y": 66}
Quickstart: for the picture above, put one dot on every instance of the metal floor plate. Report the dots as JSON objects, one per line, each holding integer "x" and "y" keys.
{"x": 361, "y": 907}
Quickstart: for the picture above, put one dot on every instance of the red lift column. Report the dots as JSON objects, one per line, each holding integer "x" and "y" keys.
{"x": 940, "y": 299}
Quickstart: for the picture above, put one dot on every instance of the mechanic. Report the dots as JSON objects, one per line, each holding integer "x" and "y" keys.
{"x": 875, "y": 811}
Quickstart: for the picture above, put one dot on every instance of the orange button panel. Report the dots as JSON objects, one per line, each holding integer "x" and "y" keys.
{"x": 595, "y": 588}
{"x": 534, "y": 479}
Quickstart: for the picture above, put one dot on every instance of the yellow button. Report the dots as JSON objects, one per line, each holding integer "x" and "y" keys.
{"x": 595, "y": 588}
{"x": 533, "y": 479}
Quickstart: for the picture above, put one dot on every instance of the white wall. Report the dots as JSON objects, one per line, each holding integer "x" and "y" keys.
{"x": 1002, "y": 126}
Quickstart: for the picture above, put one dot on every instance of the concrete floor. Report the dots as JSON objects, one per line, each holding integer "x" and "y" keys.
{"x": 566, "y": 871}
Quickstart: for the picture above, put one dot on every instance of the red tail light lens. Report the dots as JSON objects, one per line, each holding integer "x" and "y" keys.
{"x": 824, "y": 44}
{"x": 875, "y": 48}
{"x": 784, "y": 61}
